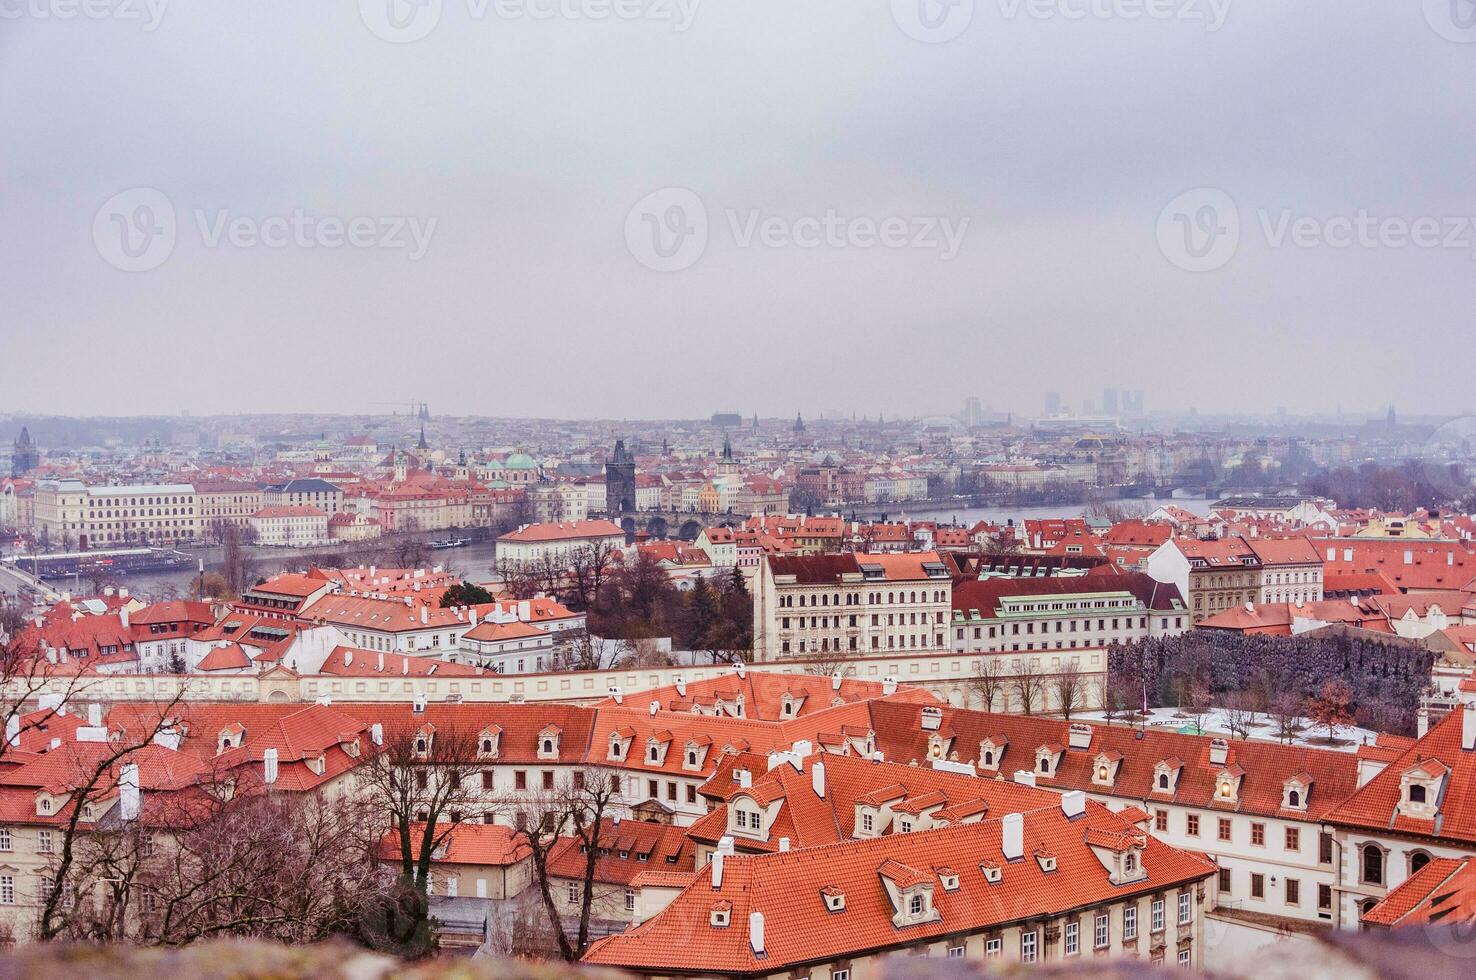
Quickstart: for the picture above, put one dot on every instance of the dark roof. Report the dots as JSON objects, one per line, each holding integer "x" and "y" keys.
{"x": 985, "y": 595}
{"x": 814, "y": 569}
{"x": 310, "y": 485}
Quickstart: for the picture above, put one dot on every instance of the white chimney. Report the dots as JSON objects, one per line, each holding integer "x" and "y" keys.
{"x": 348, "y": 658}
{"x": 1012, "y": 840}
{"x": 376, "y": 733}
{"x": 94, "y": 714}
{"x": 756, "y": 931}
{"x": 725, "y": 844}
{"x": 655, "y": 707}
{"x": 1219, "y": 751}
{"x": 681, "y": 686}
{"x": 717, "y": 869}
{"x": 817, "y": 779}
{"x": 835, "y": 681}
{"x": 424, "y": 615}
{"x": 745, "y": 779}
{"x": 128, "y": 796}
{"x": 1074, "y": 803}
{"x": 269, "y": 765}
{"x": 123, "y": 616}
{"x": 381, "y": 661}
{"x": 12, "y": 731}
{"x": 889, "y": 686}
{"x": 1468, "y": 727}
{"x": 783, "y": 845}
{"x": 1025, "y": 777}
{"x": 617, "y": 695}
{"x": 122, "y": 593}
{"x": 1079, "y": 736}
{"x": 92, "y": 733}
{"x": 740, "y": 669}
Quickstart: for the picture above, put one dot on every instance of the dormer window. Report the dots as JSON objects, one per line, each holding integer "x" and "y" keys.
{"x": 720, "y": 915}
{"x": 835, "y": 899}
{"x": 1130, "y": 863}
{"x": 617, "y": 748}
{"x": 1416, "y": 793}
{"x": 1163, "y": 781}
{"x": 1046, "y": 860}
{"x": 992, "y": 872}
{"x": 487, "y": 746}
{"x": 915, "y": 905}
{"x": 948, "y": 878}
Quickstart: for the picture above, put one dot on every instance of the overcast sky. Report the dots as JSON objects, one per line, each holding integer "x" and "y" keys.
{"x": 1025, "y": 164}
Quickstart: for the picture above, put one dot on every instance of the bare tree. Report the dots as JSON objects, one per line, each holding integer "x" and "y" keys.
{"x": 589, "y": 568}
{"x": 827, "y": 663}
{"x": 1070, "y": 690}
{"x": 1028, "y": 685}
{"x": 988, "y": 681}
{"x": 1240, "y": 714}
{"x": 577, "y": 807}
{"x": 1286, "y": 715}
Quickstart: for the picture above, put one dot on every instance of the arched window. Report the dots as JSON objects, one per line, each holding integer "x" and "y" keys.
{"x": 989, "y": 758}
{"x": 1163, "y": 780}
{"x": 1045, "y": 763}
{"x": 1130, "y": 863}
{"x": 486, "y": 746}
{"x": 548, "y": 746}
{"x": 1418, "y": 860}
{"x": 1373, "y": 865}
{"x": 1294, "y": 797}
{"x": 420, "y": 745}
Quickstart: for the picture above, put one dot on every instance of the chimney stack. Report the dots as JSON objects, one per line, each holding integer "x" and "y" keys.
{"x": 889, "y": 686}
{"x": 717, "y": 869}
{"x": 1073, "y": 804}
{"x": 783, "y": 845}
{"x": 1024, "y": 777}
{"x": 376, "y": 733}
{"x": 1012, "y": 841}
{"x": 756, "y": 932}
{"x": 681, "y": 686}
{"x": 817, "y": 779}
{"x": 617, "y": 695}
{"x": 128, "y": 795}
{"x": 123, "y": 616}
{"x": 94, "y": 714}
{"x": 269, "y": 765}
{"x": 1468, "y": 726}
{"x": 655, "y": 707}
{"x": 1219, "y": 751}
{"x": 12, "y": 731}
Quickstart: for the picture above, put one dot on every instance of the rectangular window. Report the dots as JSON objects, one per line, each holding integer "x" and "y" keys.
{"x": 1191, "y": 823}
{"x": 1324, "y": 898}
{"x": 1293, "y": 892}
{"x": 1293, "y": 838}
{"x": 1186, "y": 908}
{"x": 993, "y": 947}
{"x": 1027, "y": 946}
{"x": 1258, "y": 835}
{"x": 630, "y": 900}
{"x": 7, "y": 889}
{"x": 1224, "y": 828}
{"x": 1160, "y": 820}
{"x": 955, "y": 952}
{"x": 1324, "y": 848}
{"x": 1258, "y": 885}
{"x": 1099, "y": 933}
{"x": 5, "y": 842}
{"x": 43, "y": 842}
{"x": 840, "y": 975}
{"x": 520, "y": 779}
{"x": 1155, "y": 920}
{"x": 1073, "y": 938}
{"x": 1186, "y": 957}
{"x": 866, "y": 822}
{"x": 1130, "y": 922}
{"x": 572, "y": 892}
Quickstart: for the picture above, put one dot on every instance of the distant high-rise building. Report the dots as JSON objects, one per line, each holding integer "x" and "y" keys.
{"x": 1111, "y": 404}
{"x": 1053, "y": 403}
{"x": 727, "y": 420}
{"x": 973, "y": 413}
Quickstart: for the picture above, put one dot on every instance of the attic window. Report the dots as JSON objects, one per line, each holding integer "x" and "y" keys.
{"x": 1416, "y": 793}
{"x": 835, "y": 900}
{"x": 548, "y": 746}
{"x": 1046, "y": 860}
{"x": 614, "y": 747}
{"x": 949, "y": 880}
{"x": 488, "y": 746}
{"x": 1044, "y": 764}
{"x": 1163, "y": 780}
{"x": 992, "y": 873}
{"x": 420, "y": 745}
{"x": 719, "y": 916}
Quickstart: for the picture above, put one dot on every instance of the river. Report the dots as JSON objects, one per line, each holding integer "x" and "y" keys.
{"x": 475, "y": 560}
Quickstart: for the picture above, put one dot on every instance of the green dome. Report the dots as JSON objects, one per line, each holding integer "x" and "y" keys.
{"x": 520, "y": 461}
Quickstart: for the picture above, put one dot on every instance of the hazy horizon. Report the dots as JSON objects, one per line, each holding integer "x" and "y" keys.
{"x": 1059, "y": 183}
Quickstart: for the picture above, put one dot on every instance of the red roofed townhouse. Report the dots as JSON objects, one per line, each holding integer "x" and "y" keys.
{"x": 659, "y": 855}
{"x": 284, "y": 596}
{"x": 1060, "y": 624}
{"x": 290, "y": 525}
{"x": 1222, "y": 573}
{"x": 1412, "y": 565}
{"x": 1050, "y": 883}
{"x": 1420, "y": 806}
{"x": 556, "y": 542}
{"x": 851, "y": 603}
{"x": 475, "y": 860}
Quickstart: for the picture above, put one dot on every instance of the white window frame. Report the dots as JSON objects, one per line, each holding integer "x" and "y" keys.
{"x": 1130, "y": 922}
{"x": 1102, "y": 931}
{"x": 1029, "y": 946}
{"x": 1186, "y": 908}
{"x": 993, "y": 947}
{"x": 1156, "y": 916}
{"x": 1073, "y": 937}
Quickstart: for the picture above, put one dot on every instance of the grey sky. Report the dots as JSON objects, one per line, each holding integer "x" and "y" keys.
{"x": 529, "y": 141}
